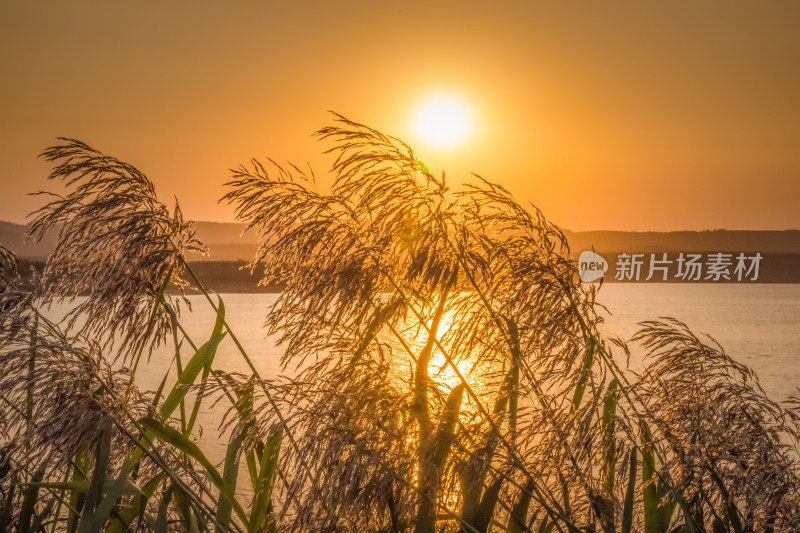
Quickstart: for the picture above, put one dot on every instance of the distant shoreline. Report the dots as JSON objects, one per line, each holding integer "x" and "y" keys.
{"x": 228, "y": 241}
{"x": 232, "y": 277}
{"x": 231, "y": 247}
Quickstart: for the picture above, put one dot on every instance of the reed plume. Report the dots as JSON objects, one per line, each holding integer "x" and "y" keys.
{"x": 117, "y": 244}
{"x": 444, "y": 370}
{"x": 71, "y": 404}
{"x": 730, "y": 441}
{"x": 452, "y": 373}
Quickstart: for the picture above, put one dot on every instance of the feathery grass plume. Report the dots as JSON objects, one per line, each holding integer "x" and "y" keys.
{"x": 70, "y": 405}
{"x": 726, "y": 441}
{"x": 15, "y": 297}
{"x": 9, "y": 279}
{"x": 365, "y": 269}
{"x": 117, "y": 244}
{"x": 9, "y": 264}
{"x": 60, "y": 399}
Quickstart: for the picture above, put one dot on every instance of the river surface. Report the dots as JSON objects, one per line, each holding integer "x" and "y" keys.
{"x": 758, "y": 325}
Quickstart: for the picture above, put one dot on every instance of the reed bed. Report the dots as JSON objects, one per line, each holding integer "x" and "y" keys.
{"x": 444, "y": 370}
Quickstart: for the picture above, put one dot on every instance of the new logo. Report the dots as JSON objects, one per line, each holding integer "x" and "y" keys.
{"x": 591, "y": 266}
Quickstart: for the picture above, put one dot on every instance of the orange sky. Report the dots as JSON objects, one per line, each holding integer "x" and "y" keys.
{"x": 627, "y": 115}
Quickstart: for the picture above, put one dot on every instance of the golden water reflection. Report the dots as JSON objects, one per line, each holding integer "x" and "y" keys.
{"x": 407, "y": 342}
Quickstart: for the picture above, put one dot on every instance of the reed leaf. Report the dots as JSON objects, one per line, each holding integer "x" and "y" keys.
{"x": 630, "y": 493}
{"x": 126, "y": 513}
{"x": 650, "y": 498}
{"x": 609, "y": 441}
{"x": 177, "y": 440}
{"x": 486, "y": 510}
{"x": 230, "y": 473}
{"x": 163, "y": 509}
{"x": 91, "y": 519}
{"x": 518, "y": 517}
{"x": 185, "y": 510}
{"x": 77, "y": 498}
{"x": 546, "y": 526}
{"x": 200, "y": 362}
{"x": 262, "y": 499}
{"x": 30, "y": 498}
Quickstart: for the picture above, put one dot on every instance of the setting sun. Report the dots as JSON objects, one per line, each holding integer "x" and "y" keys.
{"x": 442, "y": 120}
{"x": 400, "y": 267}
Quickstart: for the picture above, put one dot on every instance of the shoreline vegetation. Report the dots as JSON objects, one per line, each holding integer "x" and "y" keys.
{"x": 231, "y": 247}
{"x": 235, "y": 277}
{"x": 449, "y": 373}
{"x": 228, "y": 241}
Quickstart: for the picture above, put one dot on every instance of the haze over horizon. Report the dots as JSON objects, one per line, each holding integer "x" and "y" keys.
{"x": 624, "y": 116}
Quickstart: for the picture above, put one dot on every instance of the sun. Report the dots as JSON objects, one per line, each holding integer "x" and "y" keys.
{"x": 443, "y": 120}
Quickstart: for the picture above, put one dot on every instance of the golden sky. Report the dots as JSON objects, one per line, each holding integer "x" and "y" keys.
{"x": 607, "y": 115}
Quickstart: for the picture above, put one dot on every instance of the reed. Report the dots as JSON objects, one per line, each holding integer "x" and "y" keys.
{"x": 444, "y": 370}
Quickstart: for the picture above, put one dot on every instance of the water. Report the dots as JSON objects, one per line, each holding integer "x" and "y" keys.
{"x": 759, "y": 325}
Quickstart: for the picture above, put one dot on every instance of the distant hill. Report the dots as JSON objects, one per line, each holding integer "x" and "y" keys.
{"x": 11, "y": 236}
{"x": 228, "y": 241}
{"x": 772, "y": 242}
{"x": 230, "y": 247}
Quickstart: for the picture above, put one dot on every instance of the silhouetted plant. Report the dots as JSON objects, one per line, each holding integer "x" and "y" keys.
{"x": 451, "y": 371}
{"x": 83, "y": 450}
{"x": 445, "y": 370}
{"x": 117, "y": 244}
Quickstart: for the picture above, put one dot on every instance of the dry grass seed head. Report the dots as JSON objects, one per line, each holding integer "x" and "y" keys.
{"x": 117, "y": 245}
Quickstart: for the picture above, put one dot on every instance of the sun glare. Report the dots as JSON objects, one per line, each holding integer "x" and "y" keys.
{"x": 442, "y": 120}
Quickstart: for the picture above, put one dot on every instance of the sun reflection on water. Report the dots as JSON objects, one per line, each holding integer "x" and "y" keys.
{"x": 412, "y": 338}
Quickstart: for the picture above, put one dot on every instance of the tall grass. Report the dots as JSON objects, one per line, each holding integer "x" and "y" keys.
{"x": 444, "y": 371}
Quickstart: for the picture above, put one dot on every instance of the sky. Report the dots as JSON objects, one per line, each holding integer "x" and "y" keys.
{"x": 638, "y": 116}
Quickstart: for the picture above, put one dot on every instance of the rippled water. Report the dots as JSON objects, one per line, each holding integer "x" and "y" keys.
{"x": 759, "y": 325}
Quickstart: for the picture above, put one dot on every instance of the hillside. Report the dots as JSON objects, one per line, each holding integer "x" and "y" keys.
{"x": 229, "y": 242}
{"x": 771, "y": 242}
{"x": 226, "y": 242}
{"x": 230, "y": 247}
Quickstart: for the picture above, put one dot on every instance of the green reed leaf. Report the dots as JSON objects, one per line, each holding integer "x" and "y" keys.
{"x": 630, "y": 493}
{"x": 262, "y": 501}
{"x": 91, "y": 520}
{"x": 649, "y": 489}
{"x": 517, "y": 520}
{"x": 230, "y": 474}
{"x": 201, "y": 361}
{"x": 184, "y": 507}
{"x": 163, "y": 507}
{"x": 487, "y": 506}
{"x": 586, "y": 368}
{"x": 218, "y": 326}
{"x": 30, "y": 497}
{"x": 609, "y": 440}
{"x": 77, "y": 498}
{"x": 546, "y": 526}
{"x": 127, "y": 513}
{"x": 180, "y": 442}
